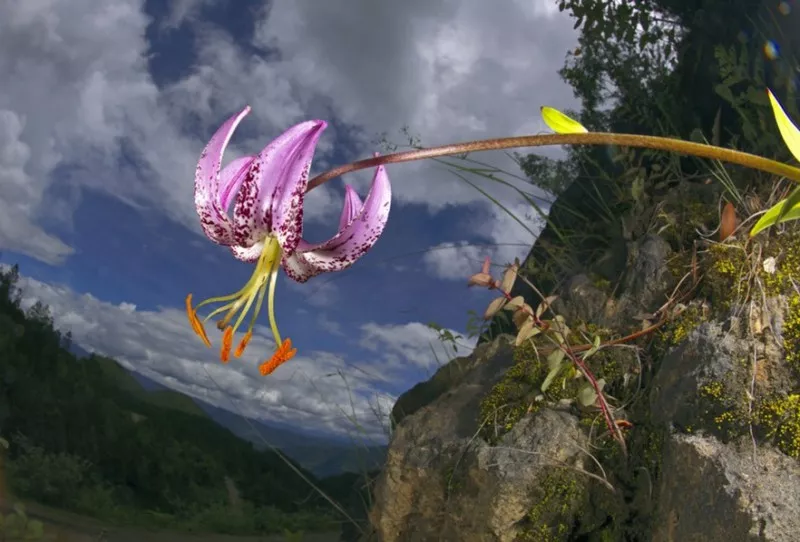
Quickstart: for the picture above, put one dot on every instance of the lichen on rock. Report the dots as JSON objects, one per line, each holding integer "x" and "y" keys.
{"x": 710, "y": 402}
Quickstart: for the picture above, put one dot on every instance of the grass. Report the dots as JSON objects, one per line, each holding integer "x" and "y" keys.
{"x": 65, "y": 526}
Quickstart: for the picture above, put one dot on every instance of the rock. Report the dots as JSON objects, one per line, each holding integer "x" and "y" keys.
{"x": 714, "y": 491}
{"x": 718, "y": 483}
{"x": 709, "y": 403}
{"x": 448, "y": 377}
{"x": 442, "y": 482}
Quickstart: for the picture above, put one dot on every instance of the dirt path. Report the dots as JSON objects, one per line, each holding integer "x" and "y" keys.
{"x": 61, "y": 526}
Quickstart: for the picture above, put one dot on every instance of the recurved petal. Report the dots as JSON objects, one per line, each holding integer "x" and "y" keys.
{"x": 231, "y": 179}
{"x": 270, "y": 200}
{"x": 352, "y": 206}
{"x": 351, "y": 242}
{"x": 249, "y": 254}
{"x": 207, "y": 186}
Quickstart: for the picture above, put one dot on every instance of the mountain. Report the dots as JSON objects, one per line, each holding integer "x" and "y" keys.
{"x": 321, "y": 455}
{"x": 334, "y": 460}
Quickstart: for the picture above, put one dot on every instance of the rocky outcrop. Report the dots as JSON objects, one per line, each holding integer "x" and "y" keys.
{"x": 709, "y": 402}
{"x": 443, "y": 482}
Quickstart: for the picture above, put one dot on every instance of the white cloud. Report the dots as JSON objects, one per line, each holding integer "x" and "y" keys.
{"x": 316, "y": 390}
{"x": 449, "y": 71}
{"x": 183, "y": 10}
{"x": 457, "y": 261}
{"x": 77, "y": 92}
{"x": 331, "y": 326}
{"x": 413, "y": 344}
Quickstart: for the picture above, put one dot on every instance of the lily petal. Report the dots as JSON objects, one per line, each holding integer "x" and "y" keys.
{"x": 249, "y": 254}
{"x": 270, "y": 200}
{"x": 231, "y": 179}
{"x": 788, "y": 130}
{"x": 351, "y": 242}
{"x": 207, "y": 194}
{"x": 352, "y": 206}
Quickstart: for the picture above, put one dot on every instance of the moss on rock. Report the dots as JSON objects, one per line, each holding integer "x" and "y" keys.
{"x": 519, "y": 391}
{"x": 779, "y": 420}
{"x": 559, "y": 497}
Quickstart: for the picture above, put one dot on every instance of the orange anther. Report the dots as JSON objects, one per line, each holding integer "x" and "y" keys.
{"x": 227, "y": 341}
{"x": 195, "y": 322}
{"x": 242, "y": 345}
{"x": 282, "y": 354}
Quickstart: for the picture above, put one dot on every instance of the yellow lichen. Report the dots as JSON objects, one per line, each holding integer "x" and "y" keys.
{"x": 678, "y": 329}
{"x": 727, "y": 268}
{"x": 785, "y": 250}
{"x": 511, "y": 398}
{"x": 519, "y": 392}
{"x": 721, "y": 412}
{"x": 712, "y": 390}
{"x": 779, "y": 418}
{"x": 791, "y": 333}
{"x": 552, "y": 516}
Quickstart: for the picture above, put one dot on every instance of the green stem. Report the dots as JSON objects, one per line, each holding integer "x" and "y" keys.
{"x": 592, "y": 138}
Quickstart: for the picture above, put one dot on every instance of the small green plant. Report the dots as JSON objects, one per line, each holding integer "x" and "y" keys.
{"x": 289, "y": 536}
{"x": 17, "y": 526}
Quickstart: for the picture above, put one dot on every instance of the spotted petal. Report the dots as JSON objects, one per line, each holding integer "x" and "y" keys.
{"x": 270, "y": 200}
{"x": 352, "y": 240}
{"x": 208, "y": 183}
{"x": 230, "y": 180}
{"x": 352, "y": 206}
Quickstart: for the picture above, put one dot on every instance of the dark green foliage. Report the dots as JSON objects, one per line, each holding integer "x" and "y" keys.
{"x": 84, "y": 436}
{"x": 693, "y": 69}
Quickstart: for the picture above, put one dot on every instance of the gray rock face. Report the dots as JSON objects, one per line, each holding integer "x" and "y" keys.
{"x": 701, "y": 468}
{"x": 442, "y": 482}
{"x": 713, "y": 491}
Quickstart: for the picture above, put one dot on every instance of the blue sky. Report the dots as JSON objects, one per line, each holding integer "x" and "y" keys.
{"x": 103, "y": 114}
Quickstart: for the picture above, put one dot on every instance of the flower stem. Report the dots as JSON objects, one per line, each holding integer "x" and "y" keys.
{"x": 591, "y": 138}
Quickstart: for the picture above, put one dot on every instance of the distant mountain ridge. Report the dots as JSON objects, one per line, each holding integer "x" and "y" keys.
{"x": 322, "y": 455}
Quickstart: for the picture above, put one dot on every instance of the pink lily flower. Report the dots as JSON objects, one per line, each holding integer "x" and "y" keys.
{"x": 266, "y": 227}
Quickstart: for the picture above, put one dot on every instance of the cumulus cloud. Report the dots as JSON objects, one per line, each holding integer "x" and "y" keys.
{"x": 317, "y": 390}
{"x": 449, "y": 71}
{"x": 412, "y": 345}
{"x": 509, "y": 239}
{"x": 78, "y": 105}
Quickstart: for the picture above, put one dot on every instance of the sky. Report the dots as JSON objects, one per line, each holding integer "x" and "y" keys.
{"x": 105, "y": 108}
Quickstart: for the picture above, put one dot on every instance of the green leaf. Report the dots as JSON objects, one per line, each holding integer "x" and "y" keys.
{"x": 792, "y": 201}
{"x": 586, "y": 395}
{"x": 595, "y": 347}
{"x": 494, "y": 307}
{"x": 545, "y": 304}
{"x": 561, "y": 123}
{"x": 555, "y": 358}
{"x": 789, "y": 132}
{"x": 526, "y": 331}
{"x": 514, "y": 303}
{"x": 771, "y": 217}
{"x": 552, "y": 376}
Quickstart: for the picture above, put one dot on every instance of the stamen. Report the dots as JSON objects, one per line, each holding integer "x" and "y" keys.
{"x": 195, "y": 322}
{"x": 227, "y": 341}
{"x": 273, "y": 280}
{"x": 238, "y": 305}
{"x": 242, "y": 345}
{"x": 284, "y": 353}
